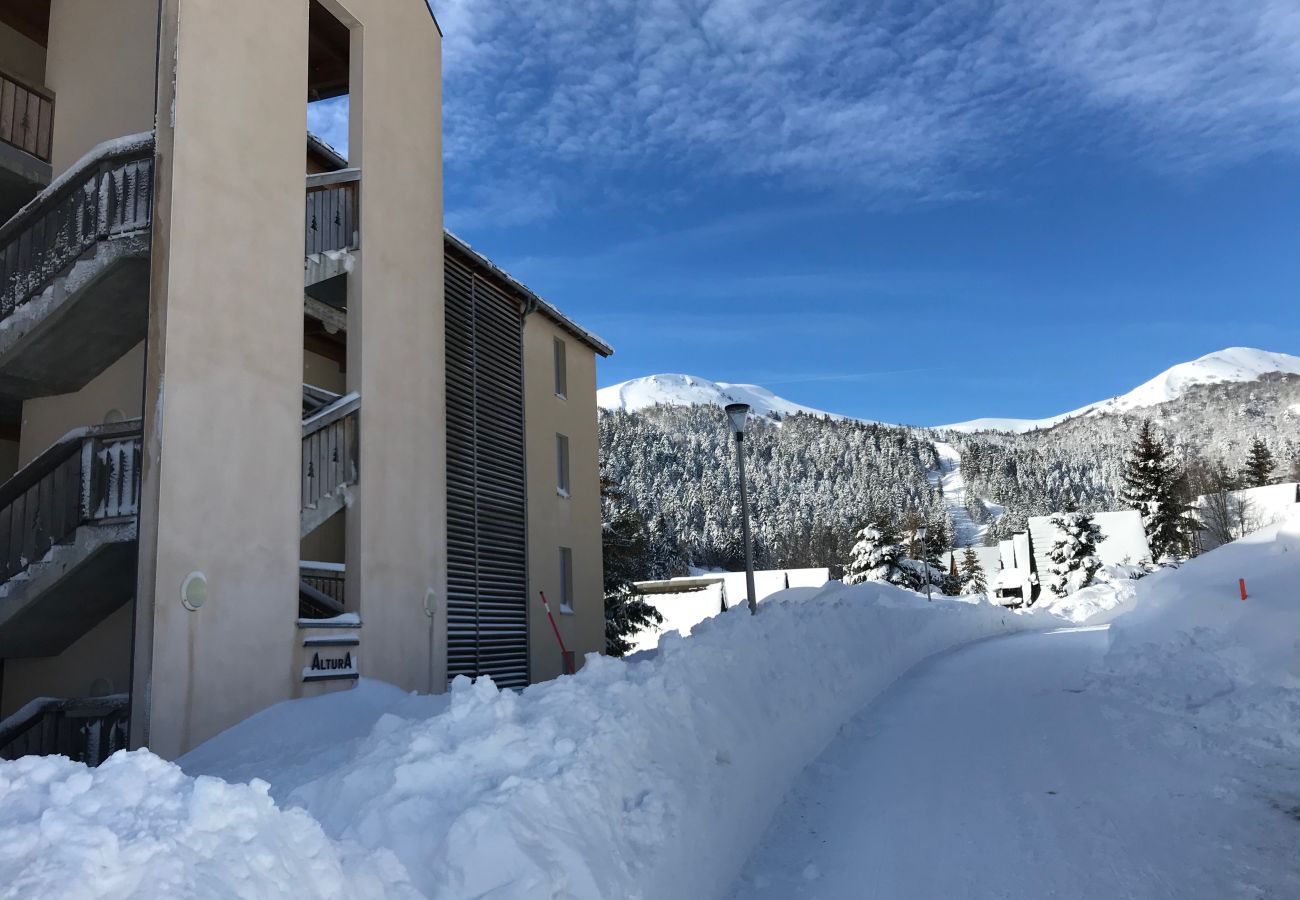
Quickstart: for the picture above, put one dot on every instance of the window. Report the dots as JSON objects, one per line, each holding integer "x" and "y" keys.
{"x": 566, "y": 580}
{"x": 561, "y": 370}
{"x": 562, "y": 465}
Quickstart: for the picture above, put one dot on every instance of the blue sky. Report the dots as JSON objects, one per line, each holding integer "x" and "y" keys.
{"x": 917, "y": 212}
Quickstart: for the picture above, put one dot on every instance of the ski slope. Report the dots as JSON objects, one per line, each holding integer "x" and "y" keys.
{"x": 1001, "y": 770}
{"x": 966, "y": 531}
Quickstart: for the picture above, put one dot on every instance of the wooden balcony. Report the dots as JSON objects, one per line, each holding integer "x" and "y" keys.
{"x": 26, "y": 132}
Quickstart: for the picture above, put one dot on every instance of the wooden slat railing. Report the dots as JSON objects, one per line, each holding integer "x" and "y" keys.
{"x": 333, "y": 212}
{"x": 92, "y": 475}
{"x": 26, "y": 117}
{"x": 109, "y": 193}
{"x": 86, "y": 730}
{"x": 329, "y": 450}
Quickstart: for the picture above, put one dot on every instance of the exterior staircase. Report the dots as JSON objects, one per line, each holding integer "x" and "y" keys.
{"x": 74, "y": 287}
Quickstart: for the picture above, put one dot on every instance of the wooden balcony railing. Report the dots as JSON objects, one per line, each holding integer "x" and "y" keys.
{"x": 92, "y": 475}
{"x": 87, "y": 730}
{"x": 329, "y": 450}
{"x": 26, "y": 117}
{"x": 333, "y": 212}
{"x": 108, "y": 194}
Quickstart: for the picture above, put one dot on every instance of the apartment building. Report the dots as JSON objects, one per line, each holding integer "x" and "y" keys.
{"x": 265, "y": 427}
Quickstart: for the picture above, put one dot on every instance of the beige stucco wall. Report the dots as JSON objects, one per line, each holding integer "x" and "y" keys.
{"x": 100, "y": 65}
{"x": 224, "y": 372}
{"x": 555, "y": 521}
{"x": 104, "y": 652}
{"x": 396, "y": 529}
{"x": 119, "y": 387}
{"x": 323, "y": 372}
{"x": 22, "y": 57}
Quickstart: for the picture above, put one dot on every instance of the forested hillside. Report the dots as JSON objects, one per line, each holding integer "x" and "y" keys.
{"x": 815, "y": 480}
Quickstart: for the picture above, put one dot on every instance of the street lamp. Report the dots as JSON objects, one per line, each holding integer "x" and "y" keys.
{"x": 738, "y": 414}
{"x": 925, "y": 563}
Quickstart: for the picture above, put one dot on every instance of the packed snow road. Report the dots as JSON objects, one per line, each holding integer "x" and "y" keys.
{"x": 1001, "y": 770}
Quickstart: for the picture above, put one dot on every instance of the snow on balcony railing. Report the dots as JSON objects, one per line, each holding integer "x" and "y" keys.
{"x": 108, "y": 193}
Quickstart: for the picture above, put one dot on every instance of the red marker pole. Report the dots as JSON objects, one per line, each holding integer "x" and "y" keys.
{"x": 1242, "y": 582}
{"x": 564, "y": 654}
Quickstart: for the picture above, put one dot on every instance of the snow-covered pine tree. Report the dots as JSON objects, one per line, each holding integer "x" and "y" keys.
{"x": 876, "y": 557}
{"x": 626, "y": 554}
{"x": 1260, "y": 465}
{"x": 972, "y": 574}
{"x": 1153, "y": 485}
{"x": 1074, "y": 552}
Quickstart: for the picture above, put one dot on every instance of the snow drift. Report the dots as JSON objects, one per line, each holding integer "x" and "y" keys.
{"x": 1190, "y": 645}
{"x": 650, "y": 779}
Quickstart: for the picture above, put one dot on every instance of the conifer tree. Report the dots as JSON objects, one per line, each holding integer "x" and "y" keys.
{"x": 876, "y": 557}
{"x": 1259, "y": 466}
{"x": 1154, "y": 486}
{"x": 626, "y": 552}
{"x": 972, "y": 574}
{"x": 1074, "y": 552}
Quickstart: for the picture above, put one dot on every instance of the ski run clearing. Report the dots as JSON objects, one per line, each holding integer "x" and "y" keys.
{"x": 844, "y": 743}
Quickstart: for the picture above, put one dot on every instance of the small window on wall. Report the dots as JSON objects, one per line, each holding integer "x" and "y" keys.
{"x": 561, "y": 370}
{"x": 562, "y": 465}
{"x": 566, "y": 580}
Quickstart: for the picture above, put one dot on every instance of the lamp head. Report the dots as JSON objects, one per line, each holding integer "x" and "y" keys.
{"x": 738, "y": 415}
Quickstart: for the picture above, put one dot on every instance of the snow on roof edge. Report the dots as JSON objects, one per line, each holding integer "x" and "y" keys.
{"x": 589, "y": 338}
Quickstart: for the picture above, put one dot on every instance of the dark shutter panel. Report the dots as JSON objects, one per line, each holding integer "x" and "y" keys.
{"x": 487, "y": 577}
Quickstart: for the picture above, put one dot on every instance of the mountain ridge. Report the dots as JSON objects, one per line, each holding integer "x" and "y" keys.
{"x": 1230, "y": 365}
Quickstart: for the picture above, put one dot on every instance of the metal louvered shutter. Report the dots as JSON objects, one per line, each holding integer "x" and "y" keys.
{"x": 487, "y": 577}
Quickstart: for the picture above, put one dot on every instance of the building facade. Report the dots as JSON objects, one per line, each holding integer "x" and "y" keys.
{"x": 258, "y": 440}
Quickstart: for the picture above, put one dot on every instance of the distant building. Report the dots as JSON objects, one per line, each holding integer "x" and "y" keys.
{"x": 1019, "y": 568}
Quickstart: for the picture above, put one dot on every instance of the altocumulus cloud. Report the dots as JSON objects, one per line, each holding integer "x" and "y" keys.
{"x": 909, "y": 99}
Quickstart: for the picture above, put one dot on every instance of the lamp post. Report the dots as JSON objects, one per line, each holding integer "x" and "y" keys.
{"x": 738, "y": 415}
{"x": 925, "y": 564}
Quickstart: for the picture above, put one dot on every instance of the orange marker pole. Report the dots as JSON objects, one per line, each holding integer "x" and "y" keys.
{"x": 1242, "y": 582}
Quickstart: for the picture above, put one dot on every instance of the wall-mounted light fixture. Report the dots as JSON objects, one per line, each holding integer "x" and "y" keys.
{"x": 194, "y": 591}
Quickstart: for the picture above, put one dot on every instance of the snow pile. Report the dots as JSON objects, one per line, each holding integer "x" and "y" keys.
{"x": 651, "y": 779}
{"x": 138, "y": 827}
{"x": 1094, "y": 605}
{"x": 1191, "y": 645}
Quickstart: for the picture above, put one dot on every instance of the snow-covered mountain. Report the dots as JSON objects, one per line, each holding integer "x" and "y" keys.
{"x": 1235, "y": 364}
{"x": 688, "y": 390}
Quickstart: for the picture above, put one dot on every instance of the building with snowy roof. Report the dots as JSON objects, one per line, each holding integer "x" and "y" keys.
{"x": 265, "y": 427}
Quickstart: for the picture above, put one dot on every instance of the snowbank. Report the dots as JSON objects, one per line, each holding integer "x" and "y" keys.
{"x": 646, "y": 780}
{"x": 1192, "y": 646}
{"x": 138, "y": 827}
{"x": 651, "y": 779}
{"x": 1114, "y": 594}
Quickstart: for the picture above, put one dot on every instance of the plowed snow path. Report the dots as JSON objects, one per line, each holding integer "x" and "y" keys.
{"x": 999, "y": 771}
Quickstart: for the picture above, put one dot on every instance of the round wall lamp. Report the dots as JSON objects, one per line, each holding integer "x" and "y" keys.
{"x": 194, "y": 591}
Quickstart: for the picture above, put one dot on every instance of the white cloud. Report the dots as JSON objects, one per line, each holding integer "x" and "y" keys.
{"x": 896, "y": 98}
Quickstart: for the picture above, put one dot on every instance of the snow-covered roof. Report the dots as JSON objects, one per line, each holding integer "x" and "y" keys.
{"x": 590, "y": 339}
{"x": 1123, "y": 539}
